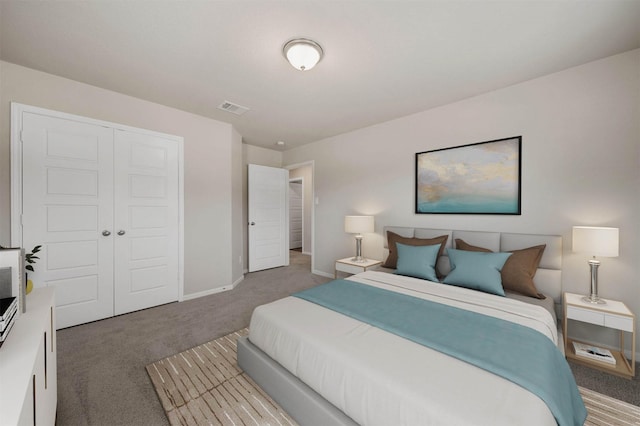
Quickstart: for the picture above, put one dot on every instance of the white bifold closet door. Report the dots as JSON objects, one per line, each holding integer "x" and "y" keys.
{"x": 104, "y": 205}
{"x": 146, "y": 221}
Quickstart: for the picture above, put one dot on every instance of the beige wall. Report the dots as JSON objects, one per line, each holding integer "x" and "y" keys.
{"x": 237, "y": 252}
{"x": 580, "y": 166}
{"x": 209, "y": 151}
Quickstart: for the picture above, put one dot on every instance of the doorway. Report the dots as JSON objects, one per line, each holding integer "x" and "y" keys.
{"x": 296, "y": 214}
{"x": 302, "y": 175}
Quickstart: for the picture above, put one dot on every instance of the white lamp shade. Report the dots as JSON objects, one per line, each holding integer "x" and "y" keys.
{"x": 358, "y": 224}
{"x": 303, "y": 54}
{"x": 596, "y": 241}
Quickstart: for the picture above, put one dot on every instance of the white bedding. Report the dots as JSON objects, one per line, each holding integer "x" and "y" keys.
{"x": 377, "y": 378}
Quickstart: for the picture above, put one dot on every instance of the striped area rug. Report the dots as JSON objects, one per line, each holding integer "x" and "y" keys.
{"x": 604, "y": 410}
{"x": 203, "y": 386}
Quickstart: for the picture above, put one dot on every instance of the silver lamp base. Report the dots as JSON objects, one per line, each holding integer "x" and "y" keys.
{"x": 593, "y": 297}
{"x": 594, "y": 300}
{"x": 358, "y": 258}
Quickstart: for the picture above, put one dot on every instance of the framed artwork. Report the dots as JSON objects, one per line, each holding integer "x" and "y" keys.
{"x": 479, "y": 178}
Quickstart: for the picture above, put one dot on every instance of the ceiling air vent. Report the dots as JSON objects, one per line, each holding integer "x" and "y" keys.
{"x": 233, "y": 108}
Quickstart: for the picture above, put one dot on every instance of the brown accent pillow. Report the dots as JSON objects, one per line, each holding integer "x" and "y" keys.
{"x": 462, "y": 245}
{"x": 519, "y": 270}
{"x": 393, "y": 238}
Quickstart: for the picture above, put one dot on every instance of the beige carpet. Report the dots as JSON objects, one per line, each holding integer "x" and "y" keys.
{"x": 203, "y": 385}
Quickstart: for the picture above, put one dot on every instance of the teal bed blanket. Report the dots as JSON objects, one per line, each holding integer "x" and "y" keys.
{"x": 515, "y": 352}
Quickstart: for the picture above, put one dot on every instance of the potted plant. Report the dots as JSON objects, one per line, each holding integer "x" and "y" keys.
{"x": 30, "y": 259}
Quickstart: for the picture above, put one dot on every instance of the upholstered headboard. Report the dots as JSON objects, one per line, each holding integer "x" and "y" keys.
{"x": 548, "y": 278}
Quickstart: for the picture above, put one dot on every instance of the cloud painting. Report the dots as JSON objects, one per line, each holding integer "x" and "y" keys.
{"x": 482, "y": 178}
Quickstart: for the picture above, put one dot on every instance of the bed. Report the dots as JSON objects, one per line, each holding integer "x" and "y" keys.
{"x": 330, "y": 367}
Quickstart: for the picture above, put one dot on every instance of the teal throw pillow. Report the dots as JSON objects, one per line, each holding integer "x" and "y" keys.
{"x": 417, "y": 261}
{"x": 476, "y": 270}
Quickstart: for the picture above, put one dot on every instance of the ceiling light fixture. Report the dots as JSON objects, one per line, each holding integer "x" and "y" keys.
{"x": 303, "y": 54}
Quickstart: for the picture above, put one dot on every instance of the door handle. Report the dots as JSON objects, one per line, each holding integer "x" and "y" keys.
{"x": 252, "y": 223}
{"x": 121, "y": 232}
{"x": 106, "y": 233}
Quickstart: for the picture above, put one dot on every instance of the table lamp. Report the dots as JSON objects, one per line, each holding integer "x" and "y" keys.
{"x": 596, "y": 241}
{"x": 357, "y": 225}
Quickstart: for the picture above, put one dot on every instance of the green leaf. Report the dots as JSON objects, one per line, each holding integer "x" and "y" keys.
{"x": 29, "y": 268}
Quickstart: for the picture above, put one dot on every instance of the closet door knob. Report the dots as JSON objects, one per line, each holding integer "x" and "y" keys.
{"x": 121, "y": 232}
{"x": 106, "y": 233}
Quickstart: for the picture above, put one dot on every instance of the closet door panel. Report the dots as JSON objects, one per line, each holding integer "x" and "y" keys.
{"x": 67, "y": 204}
{"x": 146, "y": 221}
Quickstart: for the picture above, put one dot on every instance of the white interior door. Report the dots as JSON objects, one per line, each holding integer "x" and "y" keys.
{"x": 295, "y": 214}
{"x": 268, "y": 216}
{"x": 68, "y": 209}
{"x": 146, "y": 221}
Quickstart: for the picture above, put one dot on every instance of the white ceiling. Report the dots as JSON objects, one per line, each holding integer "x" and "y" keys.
{"x": 383, "y": 59}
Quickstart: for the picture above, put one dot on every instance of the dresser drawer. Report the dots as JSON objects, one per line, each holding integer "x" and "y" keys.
{"x": 585, "y": 315}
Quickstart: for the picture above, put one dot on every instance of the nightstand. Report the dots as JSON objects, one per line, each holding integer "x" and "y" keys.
{"x": 349, "y": 266}
{"x": 613, "y": 314}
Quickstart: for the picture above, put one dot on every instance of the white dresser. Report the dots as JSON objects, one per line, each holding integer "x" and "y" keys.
{"x": 28, "y": 390}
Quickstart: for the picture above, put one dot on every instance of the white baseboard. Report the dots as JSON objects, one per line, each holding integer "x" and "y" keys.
{"x": 212, "y": 291}
{"x": 322, "y": 273}
{"x": 238, "y": 281}
{"x": 307, "y": 253}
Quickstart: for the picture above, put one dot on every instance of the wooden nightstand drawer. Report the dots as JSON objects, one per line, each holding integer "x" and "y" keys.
{"x": 618, "y": 322}
{"x": 585, "y": 315}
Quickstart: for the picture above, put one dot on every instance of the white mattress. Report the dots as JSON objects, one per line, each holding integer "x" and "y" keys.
{"x": 377, "y": 378}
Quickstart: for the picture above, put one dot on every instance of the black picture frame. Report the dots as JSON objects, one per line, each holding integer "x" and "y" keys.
{"x": 478, "y": 178}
